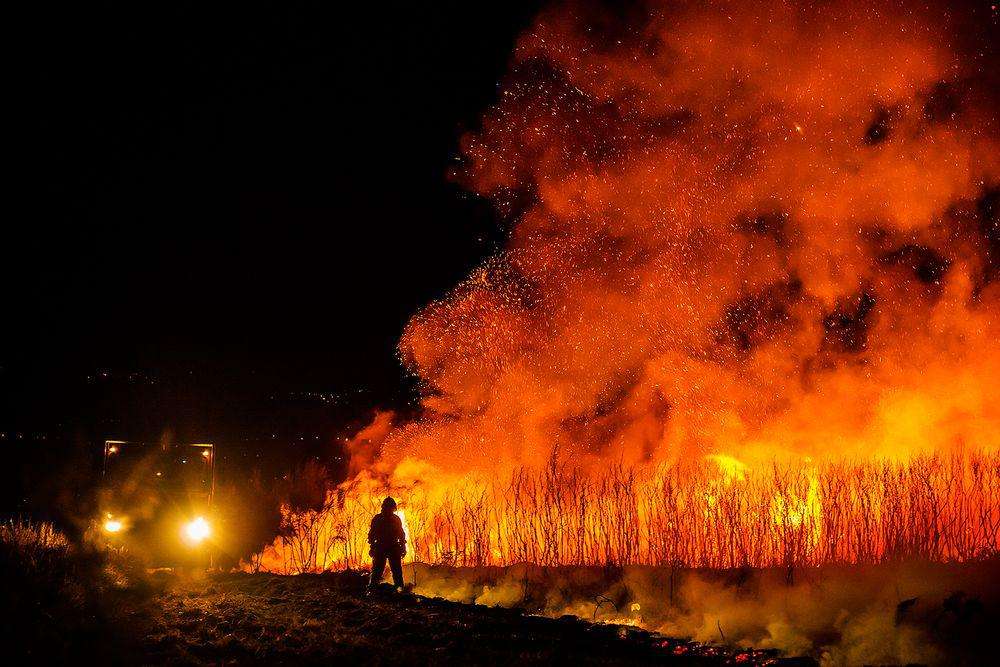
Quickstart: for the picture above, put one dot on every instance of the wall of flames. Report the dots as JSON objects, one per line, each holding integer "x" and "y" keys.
{"x": 752, "y": 246}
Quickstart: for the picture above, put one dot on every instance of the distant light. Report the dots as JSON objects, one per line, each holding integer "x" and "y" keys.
{"x": 197, "y": 530}
{"x": 113, "y": 525}
{"x": 206, "y": 453}
{"x": 113, "y": 449}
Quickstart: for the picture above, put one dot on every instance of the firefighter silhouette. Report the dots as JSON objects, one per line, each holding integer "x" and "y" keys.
{"x": 387, "y": 542}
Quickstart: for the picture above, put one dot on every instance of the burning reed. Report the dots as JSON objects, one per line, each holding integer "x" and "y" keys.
{"x": 759, "y": 227}
{"x": 715, "y": 513}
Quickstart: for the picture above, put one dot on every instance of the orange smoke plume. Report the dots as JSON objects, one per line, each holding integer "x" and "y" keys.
{"x": 757, "y": 228}
{"x": 751, "y": 231}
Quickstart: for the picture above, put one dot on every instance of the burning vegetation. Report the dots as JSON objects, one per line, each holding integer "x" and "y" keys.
{"x": 686, "y": 515}
{"x": 746, "y": 315}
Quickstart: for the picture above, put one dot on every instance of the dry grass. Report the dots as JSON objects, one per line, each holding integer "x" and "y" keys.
{"x": 57, "y": 594}
{"x": 34, "y": 546}
{"x": 938, "y": 508}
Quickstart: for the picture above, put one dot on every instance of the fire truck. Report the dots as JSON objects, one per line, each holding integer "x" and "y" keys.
{"x": 156, "y": 501}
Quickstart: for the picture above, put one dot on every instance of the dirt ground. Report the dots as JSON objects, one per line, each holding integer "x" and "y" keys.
{"x": 312, "y": 619}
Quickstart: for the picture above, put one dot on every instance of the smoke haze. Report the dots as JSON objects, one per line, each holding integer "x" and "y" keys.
{"x": 748, "y": 228}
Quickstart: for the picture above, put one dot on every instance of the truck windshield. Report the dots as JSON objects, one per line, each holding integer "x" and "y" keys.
{"x": 125, "y": 461}
{"x": 187, "y": 468}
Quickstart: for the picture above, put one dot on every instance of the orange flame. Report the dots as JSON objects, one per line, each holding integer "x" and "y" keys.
{"x": 753, "y": 228}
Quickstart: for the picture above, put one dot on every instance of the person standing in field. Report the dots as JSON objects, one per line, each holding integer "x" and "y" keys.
{"x": 387, "y": 542}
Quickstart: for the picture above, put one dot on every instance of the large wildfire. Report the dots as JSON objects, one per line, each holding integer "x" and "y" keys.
{"x": 747, "y": 314}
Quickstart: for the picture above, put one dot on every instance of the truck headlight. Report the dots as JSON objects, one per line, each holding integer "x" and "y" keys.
{"x": 196, "y": 530}
{"x": 112, "y": 524}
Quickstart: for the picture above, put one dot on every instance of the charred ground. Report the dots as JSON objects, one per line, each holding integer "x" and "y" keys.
{"x": 67, "y": 602}
{"x": 316, "y": 619}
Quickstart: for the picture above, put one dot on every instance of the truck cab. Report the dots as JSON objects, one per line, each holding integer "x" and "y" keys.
{"x": 156, "y": 501}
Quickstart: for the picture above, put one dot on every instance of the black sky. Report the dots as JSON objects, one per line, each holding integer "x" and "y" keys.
{"x": 254, "y": 197}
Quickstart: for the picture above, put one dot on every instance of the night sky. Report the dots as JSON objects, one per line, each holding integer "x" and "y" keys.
{"x": 221, "y": 219}
{"x": 236, "y": 203}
